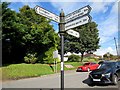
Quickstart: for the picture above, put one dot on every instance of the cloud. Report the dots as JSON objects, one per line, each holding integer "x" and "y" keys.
{"x": 102, "y": 51}
{"x": 98, "y": 7}
{"x": 109, "y": 26}
{"x": 65, "y": 5}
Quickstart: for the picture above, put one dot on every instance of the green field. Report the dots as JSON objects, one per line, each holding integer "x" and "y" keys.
{"x": 18, "y": 71}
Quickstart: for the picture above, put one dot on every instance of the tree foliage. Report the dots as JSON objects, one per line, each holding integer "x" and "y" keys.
{"x": 48, "y": 58}
{"x": 27, "y": 32}
{"x": 108, "y": 56}
{"x": 30, "y": 58}
{"x": 74, "y": 58}
{"x": 88, "y": 41}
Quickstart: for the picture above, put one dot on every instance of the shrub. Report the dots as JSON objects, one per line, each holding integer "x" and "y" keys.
{"x": 85, "y": 59}
{"x": 48, "y": 58}
{"x": 30, "y": 58}
{"x": 89, "y": 59}
{"x": 74, "y": 58}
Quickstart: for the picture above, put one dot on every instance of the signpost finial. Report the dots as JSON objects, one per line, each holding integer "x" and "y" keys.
{"x": 62, "y": 13}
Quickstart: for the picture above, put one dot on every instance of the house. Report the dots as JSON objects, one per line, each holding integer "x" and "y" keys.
{"x": 92, "y": 55}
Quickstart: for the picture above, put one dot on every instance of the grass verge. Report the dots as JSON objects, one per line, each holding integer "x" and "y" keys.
{"x": 18, "y": 71}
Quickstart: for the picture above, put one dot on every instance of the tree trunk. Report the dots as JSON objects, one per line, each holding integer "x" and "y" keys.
{"x": 82, "y": 56}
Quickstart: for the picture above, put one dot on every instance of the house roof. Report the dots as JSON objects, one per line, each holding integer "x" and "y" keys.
{"x": 94, "y": 55}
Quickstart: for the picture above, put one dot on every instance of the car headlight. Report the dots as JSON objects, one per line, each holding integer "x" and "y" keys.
{"x": 107, "y": 74}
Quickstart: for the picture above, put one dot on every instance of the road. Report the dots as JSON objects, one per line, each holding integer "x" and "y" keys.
{"x": 72, "y": 80}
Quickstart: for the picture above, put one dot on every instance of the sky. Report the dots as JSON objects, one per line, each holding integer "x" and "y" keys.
{"x": 104, "y": 13}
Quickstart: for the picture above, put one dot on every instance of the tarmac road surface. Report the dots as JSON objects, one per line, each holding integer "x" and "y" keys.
{"x": 72, "y": 79}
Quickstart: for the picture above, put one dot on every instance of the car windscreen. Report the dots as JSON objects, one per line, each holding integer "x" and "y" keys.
{"x": 86, "y": 64}
{"x": 106, "y": 65}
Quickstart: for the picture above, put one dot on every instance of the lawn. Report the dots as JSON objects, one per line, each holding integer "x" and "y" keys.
{"x": 18, "y": 71}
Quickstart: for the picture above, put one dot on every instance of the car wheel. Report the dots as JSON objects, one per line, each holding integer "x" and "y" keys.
{"x": 91, "y": 83}
{"x": 88, "y": 69}
{"x": 115, "y": 80}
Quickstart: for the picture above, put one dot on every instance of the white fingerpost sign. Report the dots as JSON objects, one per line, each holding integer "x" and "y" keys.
{"x": 77, "y": 22}
{"x": 47, "y": 14}
{"x": 78, "y": 13}
{"x": 73, "y": 33}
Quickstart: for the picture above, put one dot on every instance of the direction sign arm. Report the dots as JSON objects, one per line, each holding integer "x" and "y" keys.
{"x": 90, "y": 18}
{"x": 47, "y": 14}
{"x": 89, "y": 8}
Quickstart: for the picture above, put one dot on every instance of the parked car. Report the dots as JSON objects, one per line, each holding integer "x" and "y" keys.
{"x": 88, "y": 67}
{"x": 107, "y": 72}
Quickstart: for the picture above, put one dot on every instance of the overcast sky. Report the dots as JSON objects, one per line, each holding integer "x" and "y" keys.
{"x": 104, "y": 13}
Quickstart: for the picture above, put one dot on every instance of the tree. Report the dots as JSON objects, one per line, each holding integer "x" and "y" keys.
{"x": 88, "y": 41}
{"x": 10, "y": 37}
{"x": 39, "y": 36}
{"x": 73, "y": 58}
{"x": 27, "y": 32}
{"x": 108, "y": 56}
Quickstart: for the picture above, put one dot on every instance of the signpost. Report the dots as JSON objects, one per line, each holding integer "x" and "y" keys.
{"x": 66, "y": 23}
{"x": 77, "y": 22}
{"x": 62, "y": 31}
{"x": 78, "y": 13}
{"x": 73, "y": 33}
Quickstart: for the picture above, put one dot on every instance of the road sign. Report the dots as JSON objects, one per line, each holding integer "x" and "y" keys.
{"x": 78, "y": 13}
{"x": 78, "y": 22}
{"x": 73, "y": 33}
{"x": 55, "y": 54}
{"x": 47, "y": 14}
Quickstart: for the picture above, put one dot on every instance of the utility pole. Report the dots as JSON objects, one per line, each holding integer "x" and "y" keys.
{"x": 116, "y": 46}
{"x": 62, "y": 31}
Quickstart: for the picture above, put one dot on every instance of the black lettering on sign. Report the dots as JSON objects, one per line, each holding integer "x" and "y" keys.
{"x": 84, "y": 20}
{"x": 86, "y": 10}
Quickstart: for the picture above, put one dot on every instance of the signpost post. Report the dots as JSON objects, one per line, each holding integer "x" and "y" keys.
{"x": 66, "y": 23}
{"x": 62, "y": 31}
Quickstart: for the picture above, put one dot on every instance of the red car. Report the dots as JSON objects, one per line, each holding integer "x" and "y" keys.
{"x": 88, "y": 67}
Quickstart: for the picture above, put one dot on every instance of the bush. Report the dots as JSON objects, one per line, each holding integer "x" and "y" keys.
{"x": 74, "y": 58}
{"x": 48, "y": 58}
{"x": 89, "y": 59}
{"x": 30, "y": 58}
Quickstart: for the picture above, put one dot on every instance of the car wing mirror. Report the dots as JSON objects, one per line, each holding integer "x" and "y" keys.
{"x": 118, "y": 66}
